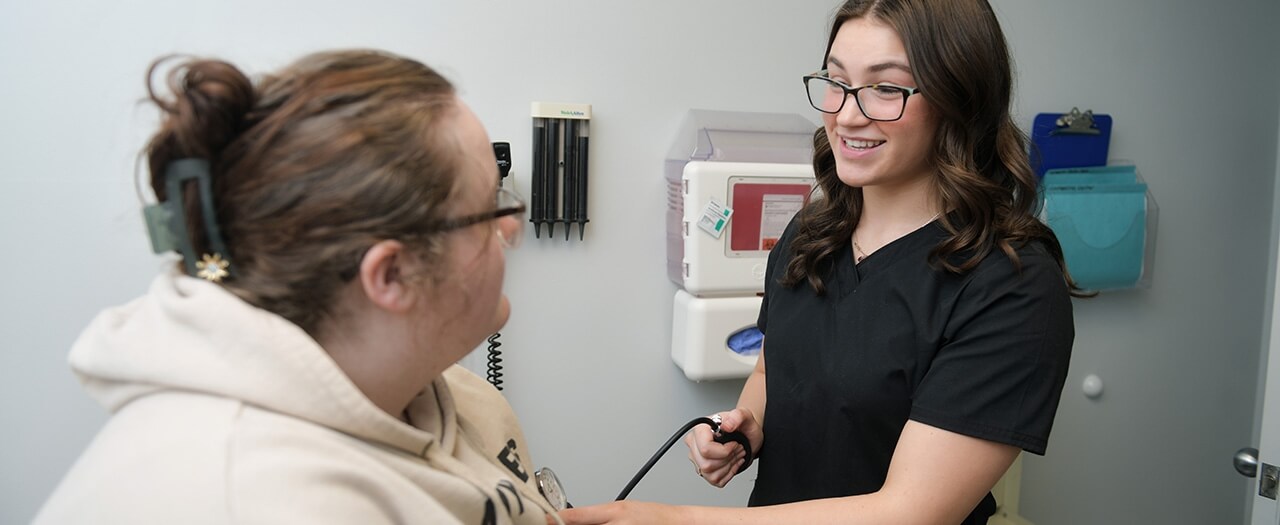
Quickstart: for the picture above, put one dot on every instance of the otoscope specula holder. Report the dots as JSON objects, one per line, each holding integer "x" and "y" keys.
{"x": 561, "y": 139}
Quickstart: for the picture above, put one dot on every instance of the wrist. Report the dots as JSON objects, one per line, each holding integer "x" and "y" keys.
{"x": 757, "y": 437}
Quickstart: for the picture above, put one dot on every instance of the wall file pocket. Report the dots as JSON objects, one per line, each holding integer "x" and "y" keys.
{"x": 1105, "y": 219}
{"x": 1069, "y": 140}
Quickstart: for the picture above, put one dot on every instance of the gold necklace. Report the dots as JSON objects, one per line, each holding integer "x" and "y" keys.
{"x": 858, "y": 249}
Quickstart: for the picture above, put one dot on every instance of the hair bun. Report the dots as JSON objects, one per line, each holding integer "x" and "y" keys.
{"x": 211, "y": 100}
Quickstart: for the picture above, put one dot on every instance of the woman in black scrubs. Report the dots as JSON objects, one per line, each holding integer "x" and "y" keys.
{"x": 917, "y": 317}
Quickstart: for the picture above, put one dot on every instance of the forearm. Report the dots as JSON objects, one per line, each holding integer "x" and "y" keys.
{"x": 753, "y": 392}
{"x": 935, "y": 477}
{"x": 868, "y": 509}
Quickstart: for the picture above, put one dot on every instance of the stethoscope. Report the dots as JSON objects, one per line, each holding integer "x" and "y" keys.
{"x": 550, "y": 487}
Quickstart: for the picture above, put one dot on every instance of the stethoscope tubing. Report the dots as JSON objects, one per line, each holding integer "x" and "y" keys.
{"x": 721, "y": 437}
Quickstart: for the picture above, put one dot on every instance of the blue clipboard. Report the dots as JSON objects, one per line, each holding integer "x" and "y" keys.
{"x": 1069, "y": 140}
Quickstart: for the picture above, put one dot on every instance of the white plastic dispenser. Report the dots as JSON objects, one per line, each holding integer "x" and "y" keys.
{"x": 734, "y": 182}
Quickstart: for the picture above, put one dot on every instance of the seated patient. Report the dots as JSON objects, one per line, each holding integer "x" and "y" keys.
{"x": 343, "y": 235}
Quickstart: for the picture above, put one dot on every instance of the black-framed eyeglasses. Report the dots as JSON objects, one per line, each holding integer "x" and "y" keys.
{"x": 508, "y": 203}
{"x": 878, "y": 102}
{"x": 510, "y": 232}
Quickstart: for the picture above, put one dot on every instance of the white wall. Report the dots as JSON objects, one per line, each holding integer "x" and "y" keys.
{"x": 1193, "y": 90}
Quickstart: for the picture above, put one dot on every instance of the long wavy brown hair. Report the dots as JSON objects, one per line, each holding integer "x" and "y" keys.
{"x": 983, "y": 177}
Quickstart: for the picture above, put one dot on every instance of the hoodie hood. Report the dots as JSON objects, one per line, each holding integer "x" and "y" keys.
{"x": 190, "y": 335}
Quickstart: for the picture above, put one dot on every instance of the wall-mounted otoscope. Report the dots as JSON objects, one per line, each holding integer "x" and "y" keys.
{"x": 501, "y": 151}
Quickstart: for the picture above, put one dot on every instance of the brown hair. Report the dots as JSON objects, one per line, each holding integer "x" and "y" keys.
{"x": 961, "y": 63}
{"x": 310, "y": 167}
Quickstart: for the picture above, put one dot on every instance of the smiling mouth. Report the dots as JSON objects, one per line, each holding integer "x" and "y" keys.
{"x": 862, "y": 145}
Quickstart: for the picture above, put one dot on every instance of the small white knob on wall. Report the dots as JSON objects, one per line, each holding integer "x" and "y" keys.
{"x": 1092, "y": 386}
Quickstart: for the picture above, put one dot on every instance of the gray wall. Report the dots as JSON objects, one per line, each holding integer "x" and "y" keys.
{"x": 1178, "y": 360}
{"x": 1194, "y": 90}
{"x": 1270, "y": 427}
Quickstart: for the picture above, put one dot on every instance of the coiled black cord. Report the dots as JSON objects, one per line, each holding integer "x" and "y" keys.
{"x": 494, "y": 374}
{"x": 720, "y": 438}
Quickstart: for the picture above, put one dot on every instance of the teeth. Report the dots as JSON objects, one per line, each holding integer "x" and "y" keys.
{"x": 862, "y": 144}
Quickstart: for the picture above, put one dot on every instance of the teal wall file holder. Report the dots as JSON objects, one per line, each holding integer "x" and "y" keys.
{"x": 1105, "y": 219}
{"x": 1069, "y": 140}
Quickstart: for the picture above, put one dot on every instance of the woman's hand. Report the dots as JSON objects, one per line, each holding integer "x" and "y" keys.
{"x": 719, "y": 462}
{"x": 624, "y": 513}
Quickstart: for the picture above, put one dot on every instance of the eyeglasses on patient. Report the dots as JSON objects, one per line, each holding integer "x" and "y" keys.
{"x": 879, "y": 102}
{"x": 507, "y": 202}
{"x": 510, "y": 233}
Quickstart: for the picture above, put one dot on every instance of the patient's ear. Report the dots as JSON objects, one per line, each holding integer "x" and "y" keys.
{"x": 383, "y": 272}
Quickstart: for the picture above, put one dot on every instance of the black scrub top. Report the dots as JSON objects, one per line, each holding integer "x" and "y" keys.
{"x": 982, "y": 354}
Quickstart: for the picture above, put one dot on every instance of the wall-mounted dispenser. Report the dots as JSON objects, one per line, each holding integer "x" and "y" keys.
{"x": 734, "y": 181}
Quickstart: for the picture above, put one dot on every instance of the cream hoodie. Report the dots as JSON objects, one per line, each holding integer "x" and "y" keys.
{"x": 226, "y": 413}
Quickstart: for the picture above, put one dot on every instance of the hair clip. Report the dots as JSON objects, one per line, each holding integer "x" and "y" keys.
{"x": 166, "y": 221}
{"x": 212, "y": 268}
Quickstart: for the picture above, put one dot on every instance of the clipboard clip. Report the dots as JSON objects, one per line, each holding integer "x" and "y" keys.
{"x": 1075, "y": 123}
